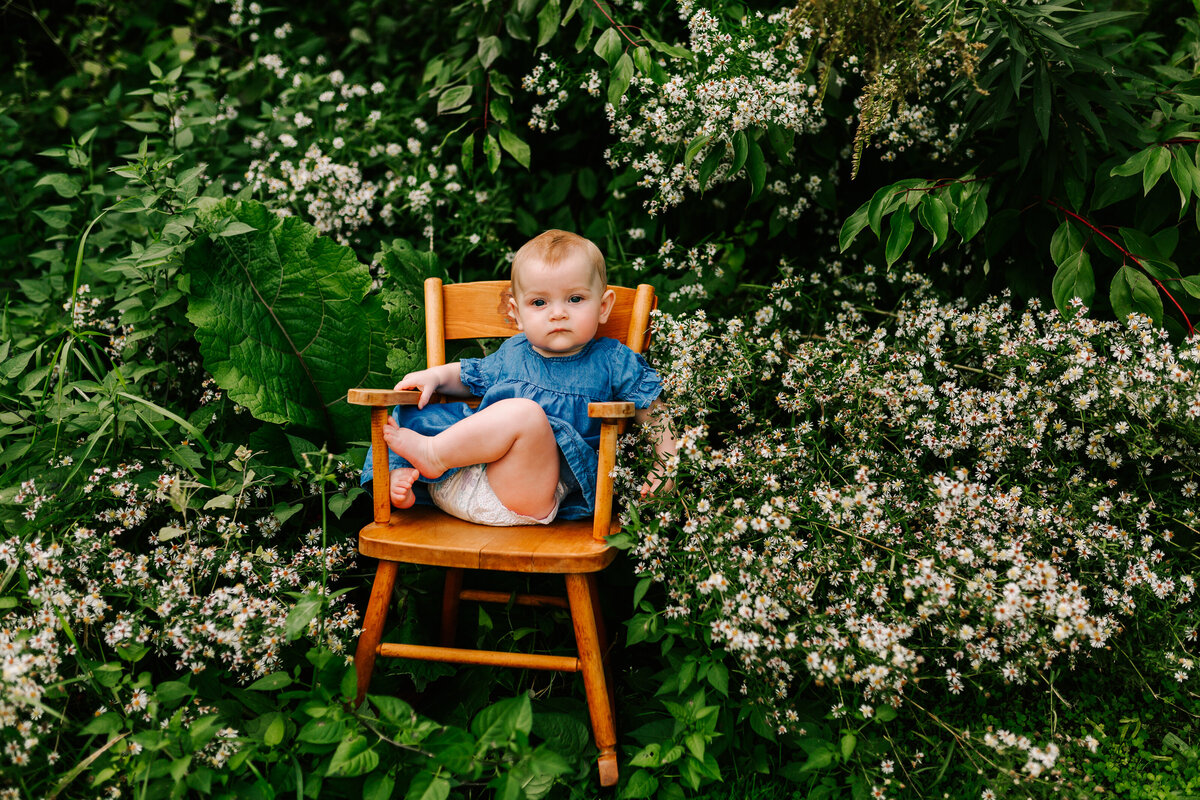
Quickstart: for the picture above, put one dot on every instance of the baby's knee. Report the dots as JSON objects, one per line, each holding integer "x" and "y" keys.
{"x": 524, "y": 411}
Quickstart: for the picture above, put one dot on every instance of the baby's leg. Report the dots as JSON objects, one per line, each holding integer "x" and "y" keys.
{"x": 400, "y": 484}
{"x": 513, "y": 437}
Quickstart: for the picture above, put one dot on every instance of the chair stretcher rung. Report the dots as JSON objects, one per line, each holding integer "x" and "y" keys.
{"x": 491, "y": 658}
{"x": 484, "y": 596}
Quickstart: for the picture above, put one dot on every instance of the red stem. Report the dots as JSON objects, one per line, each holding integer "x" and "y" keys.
{"x": 619, "y": 28}
{"x": 1128, "y": 255}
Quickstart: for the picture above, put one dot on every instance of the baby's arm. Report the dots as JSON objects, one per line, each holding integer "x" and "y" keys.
{"x": 664, "y": 445}
{"x": 444, "y": 379}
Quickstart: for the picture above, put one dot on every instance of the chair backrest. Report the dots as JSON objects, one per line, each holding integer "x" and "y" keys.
{"x": 480, "y": 310}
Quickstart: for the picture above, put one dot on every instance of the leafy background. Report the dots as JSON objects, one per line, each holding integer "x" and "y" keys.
{"x": 217, "y": 218}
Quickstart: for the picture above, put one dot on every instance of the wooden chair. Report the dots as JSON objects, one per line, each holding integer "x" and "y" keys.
{"x": 425, "y": 535}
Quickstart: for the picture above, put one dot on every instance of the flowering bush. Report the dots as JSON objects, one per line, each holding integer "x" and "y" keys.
{"x": 152, "y": 570}
{"x": 961, "y": 498}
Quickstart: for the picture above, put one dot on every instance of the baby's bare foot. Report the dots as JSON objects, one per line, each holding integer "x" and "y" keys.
{"x": 402, "y": 481}
{"x": 414, "y": 447}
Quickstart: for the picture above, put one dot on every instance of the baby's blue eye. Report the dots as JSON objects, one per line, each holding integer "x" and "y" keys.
{"x": 538, "y": 303}
{"x": 576, "y": 298}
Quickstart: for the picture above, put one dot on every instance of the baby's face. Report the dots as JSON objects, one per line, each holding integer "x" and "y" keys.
{"x": 560, "y": 308}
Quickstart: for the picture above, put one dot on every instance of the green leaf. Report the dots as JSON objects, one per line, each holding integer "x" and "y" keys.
{"x": 934, "y": 217}
{"x": 489, "y": 50}
{"x": 1191, "y": 285}
{"x": 971, "y": 216}
{"x": 394, "y": 710}
{"x": 882, "y": 198}
{"x": 694, "y": 147}
{"x": 1181, "y": 173}
{"x": 548, "y": 19}
{"x": 276, "y": 727}
{"x": 285, "y": 323}
{"x": 353, "y": 757}
{"x": 142, "y": 126}
{"x": 515, "y": 146}
{"x": 709, "y": 166}
{"x": 756, "y": 166}
{"x": 848, "y": 742}
{"x": 899, "y": 236}
{"x": 853, "y": 226}
{"x": 1132, "y": 291}
{"x": 648, "y": 756}
{"x": 639, "y": 591}
{"x": 885, "y": 714}
{"x": 1074, "y": 278}
{"x": 570, "y": 736}
{"x": 65, "y": 185}
{"x": 171, "y": 693}
{"x": 496, "y": 724}
{"x": 641, "y": 784}
{"x": 323, "y": 730}
{"x": 820, "y": 758}
{"x": 741, "y": 151}
{"x": 491, "y": 150}
{"x": 467, "y": 156}
{"x": 674, "y": 51}
{"x": 782, "y": 141}
{"x": 1160, "y": 162}
{"x": 1041, "y": 102}
{"x": 1065, "y": 242}
{"x": 618, "y": 82}
{"x": 608, "y": 46}
{"x": 304, "y": 612}
{"x": 427, "y": 786}
{"x": 379, "y": 786}
{"x": 718, "y": 677}
{"x": 271, "y": 683}
{"x": 453, "y": 98}
{"x": 1134, "y": 164}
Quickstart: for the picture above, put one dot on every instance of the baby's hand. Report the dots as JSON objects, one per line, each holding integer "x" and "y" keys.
{"x": 426, "y": 380}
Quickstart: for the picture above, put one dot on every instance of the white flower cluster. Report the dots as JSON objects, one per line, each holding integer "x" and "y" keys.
{"x": 737, "y": 83}
{"x": 965, "y": 498}
{"x": 335, "y": 197}
{"x": 207, "y": 591}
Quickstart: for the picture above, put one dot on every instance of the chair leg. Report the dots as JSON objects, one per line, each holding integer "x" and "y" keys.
{"x": 580, "y": 591}
{"x": 372, "y": 632}
{"x": 450, "y": 601}
{"x": 602, "y": 636}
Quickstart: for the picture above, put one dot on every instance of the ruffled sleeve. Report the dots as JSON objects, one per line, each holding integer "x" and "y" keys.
{"x": 478, "y": 374}
{"x": 634, "y": 380}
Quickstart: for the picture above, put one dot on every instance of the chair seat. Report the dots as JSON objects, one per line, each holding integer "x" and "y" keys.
{"x": 427, "y": 535}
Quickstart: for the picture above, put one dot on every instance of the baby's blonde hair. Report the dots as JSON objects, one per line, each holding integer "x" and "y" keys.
{"x": 553, "y": 247}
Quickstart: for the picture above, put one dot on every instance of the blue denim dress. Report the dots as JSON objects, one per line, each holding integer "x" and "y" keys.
{"x": 604, "y": 370}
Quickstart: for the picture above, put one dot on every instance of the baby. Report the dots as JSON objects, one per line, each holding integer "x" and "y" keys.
{"x": 530, "y": 444}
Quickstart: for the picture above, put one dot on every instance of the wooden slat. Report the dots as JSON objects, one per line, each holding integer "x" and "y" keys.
{"x": 491, "y": 658}
{"x": 534, "y": 600}
{"x": 478, "y": 310}
{"x": 380, "y": 489}
{"x": 382, "y": 397}
{"x": 426, "y": 535}
{"x": 617, "y": 409}
{"x": 435, "y": 315}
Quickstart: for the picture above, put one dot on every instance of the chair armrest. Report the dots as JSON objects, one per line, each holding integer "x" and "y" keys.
{"x": 613, "y": 417}
{"x": 611, "y": 411}
{"x": 383, "y": 397}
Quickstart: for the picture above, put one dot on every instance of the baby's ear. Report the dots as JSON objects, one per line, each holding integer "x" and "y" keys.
{"x": 607, "y": 301}
{"x": 512, "y": 311}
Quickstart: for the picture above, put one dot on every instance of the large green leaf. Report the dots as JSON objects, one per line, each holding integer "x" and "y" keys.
{"x": 285, "y": 321}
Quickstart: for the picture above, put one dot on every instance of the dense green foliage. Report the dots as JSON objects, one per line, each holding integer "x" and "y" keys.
{"x": 928, "y": 346}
